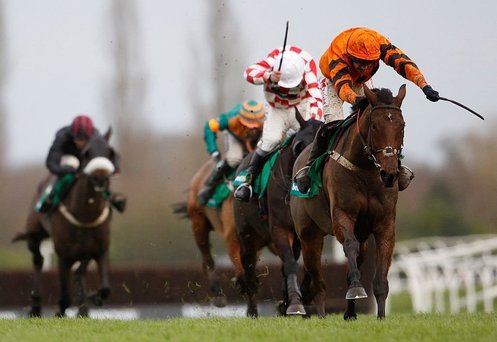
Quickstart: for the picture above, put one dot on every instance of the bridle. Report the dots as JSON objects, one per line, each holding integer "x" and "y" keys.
{"x": 388, "y": 151}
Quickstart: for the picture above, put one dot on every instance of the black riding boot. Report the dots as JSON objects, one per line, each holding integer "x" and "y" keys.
{"x": 118, "y": 201}
{"x": 320, "y": 145}
{"x": 244, "y": 191}
{"x": 221, "y": 170}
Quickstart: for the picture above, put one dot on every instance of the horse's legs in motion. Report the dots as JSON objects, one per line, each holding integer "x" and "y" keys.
{"x": 344, "y": 232}
{"x": 233, "y": 247}
{"x": 384, "y": 250}
{"x": 350, "y": 313}
{"x": 37, "y": 258}
{"x": 284, "y": 240}
{"x": 80, "y": 279}
{"x": 312, "y": 247}
{"x": 103, "y": 274}
{"x": 250, "y": 244}
{"x": 64, "y": 278}
{"x": 201, "y": 230}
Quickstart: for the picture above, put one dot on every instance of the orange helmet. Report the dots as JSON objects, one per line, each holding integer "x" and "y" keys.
{"x": 362, "y": 44}
{"x": 252, "y": 113}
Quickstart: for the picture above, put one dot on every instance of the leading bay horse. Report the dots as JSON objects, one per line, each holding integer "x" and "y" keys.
{"x": 358, "y": 199}
{"x": 275, "y": 228}
{"x": 79, "y": 227}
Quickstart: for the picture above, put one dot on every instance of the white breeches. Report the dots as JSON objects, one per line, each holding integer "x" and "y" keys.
{"x": 234, "y": 150}
{"x": 332, "y": 103}
{"x": 279, "y": 121}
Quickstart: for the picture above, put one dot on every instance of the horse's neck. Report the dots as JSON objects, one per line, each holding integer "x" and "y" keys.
{"x": 284, "y": 165}
{"x": 352, "y": 146}
{"x": 83, "y": 199}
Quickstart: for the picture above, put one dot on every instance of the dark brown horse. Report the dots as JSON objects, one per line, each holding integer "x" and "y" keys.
{"x": 79, "y": 227}
{"x": 358, "y": 198}
{"x": 274, "y": 229}
{"x": 204, "y": 221}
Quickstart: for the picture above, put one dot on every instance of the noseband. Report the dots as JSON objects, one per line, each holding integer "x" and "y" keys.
{"x": 388, "y": 151}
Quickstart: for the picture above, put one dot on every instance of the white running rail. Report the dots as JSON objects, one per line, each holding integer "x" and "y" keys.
{"x": 447, "y": 274}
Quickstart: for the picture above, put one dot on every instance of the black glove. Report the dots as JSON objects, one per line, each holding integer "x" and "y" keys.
{"x": 431, "y": 94}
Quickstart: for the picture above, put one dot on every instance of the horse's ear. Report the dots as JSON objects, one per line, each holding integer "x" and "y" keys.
{"x": 108, "y": 134}
{"x": 299, "y": 118}
{"x": 372, "y": 98}
{"x": 400, "y": 96}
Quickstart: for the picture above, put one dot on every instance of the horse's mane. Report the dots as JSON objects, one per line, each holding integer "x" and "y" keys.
{"x": 384, "y": 96}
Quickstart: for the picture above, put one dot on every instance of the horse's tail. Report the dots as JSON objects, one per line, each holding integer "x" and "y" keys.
{"x": 181, "y": 210}
{"x": 20, "y": 237}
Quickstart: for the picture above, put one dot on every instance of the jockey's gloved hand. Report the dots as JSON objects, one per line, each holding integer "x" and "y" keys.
{"x": 216, "y": 156}
{"x": 68, "y": 169}
{"x": 431, "y": 94}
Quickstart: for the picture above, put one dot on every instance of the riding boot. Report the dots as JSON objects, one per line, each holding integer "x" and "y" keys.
{"x": 244, "y": 191}
{"x": 320, "y": 146}
{"x": 45, "y": 203}
{"x": 405, "y": 177}
{"x": 221, "y": 171}
{"x": 118, "y": 201}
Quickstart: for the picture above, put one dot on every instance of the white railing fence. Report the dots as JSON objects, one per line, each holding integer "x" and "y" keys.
{"x": 447, "y": 274}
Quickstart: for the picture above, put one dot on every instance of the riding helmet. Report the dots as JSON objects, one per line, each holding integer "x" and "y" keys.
{"x": 252, "y": 113}
{"x": 82, "y": 127}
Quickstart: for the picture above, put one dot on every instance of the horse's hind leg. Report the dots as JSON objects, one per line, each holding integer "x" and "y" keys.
{"x": 312, "y": 248}
{"x": 37, "y": 258}
{"x": 80, "y": 278}
{"x": 64, "y": 278}
{"x": 284, "y": 240}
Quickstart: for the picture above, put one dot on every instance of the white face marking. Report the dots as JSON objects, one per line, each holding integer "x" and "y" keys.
{"x": 91, "y": 200}
{"x": 390, "y": 116}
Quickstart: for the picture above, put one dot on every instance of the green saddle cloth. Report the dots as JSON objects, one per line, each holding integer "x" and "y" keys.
{"x": 259, "y": 184}
{"x": 316, "y": 168}
{"x": 221, "y": 192}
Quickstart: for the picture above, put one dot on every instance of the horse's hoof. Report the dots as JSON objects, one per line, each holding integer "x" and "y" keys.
{"x": 356, "y": 293}
{"x": 83, "y": 312}
{"x": 295, "y": 310}
{"x": 281, "y": 308}
{"x": 252, "y": 312}
{"x": 349, "y": 317}
{"x": 220, "y": 301}
{"x": 35, "y": 312}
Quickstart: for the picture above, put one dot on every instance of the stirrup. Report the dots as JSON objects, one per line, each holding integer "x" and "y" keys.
{"x": 241, "y": 192}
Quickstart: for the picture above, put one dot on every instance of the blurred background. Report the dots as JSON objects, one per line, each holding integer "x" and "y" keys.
{"x": 156, "y": 70}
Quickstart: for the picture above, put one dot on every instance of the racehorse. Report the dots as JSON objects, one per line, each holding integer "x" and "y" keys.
{"x": 274, "y": 229}
{"x": 206, "y": 219}
{"x": 79, "y": 227}
{"x": 358, "y": 198}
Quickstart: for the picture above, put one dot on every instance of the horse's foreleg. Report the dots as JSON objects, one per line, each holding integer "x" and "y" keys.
{"x": 64, "y": 278}
{"x": 201, "y": 230}
{"x": 384, "y": 250}
{"x": 250, "y": 243}
{"x": 312, "y": 248}
{"x": 350, "y": 313}
{"x": 80, "y": 279}
{"x": 283, "y": 240}
{"x": 343, "y": 228}
{"x": 104, "y": 286}
{"x": 37, "y": 258}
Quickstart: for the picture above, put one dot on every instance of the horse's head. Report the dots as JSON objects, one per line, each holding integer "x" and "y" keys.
{"x": 385, "y": 131}
{"x": 97, "y": 162}
{"x": 306, "y": 134}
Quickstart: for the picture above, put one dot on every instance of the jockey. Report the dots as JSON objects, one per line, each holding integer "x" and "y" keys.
{"x": 70, "y": 141}
{"x": 350, "y": 61}
{"x": 294, "y": 86}
{"x": 243, "y": 124}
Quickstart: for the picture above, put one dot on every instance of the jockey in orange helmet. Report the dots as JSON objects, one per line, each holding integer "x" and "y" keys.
{"x": 352, "y": 58}
{"x": 243, "y": 124}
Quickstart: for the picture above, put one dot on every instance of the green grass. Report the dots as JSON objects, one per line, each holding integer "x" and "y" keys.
{"x": 398, "y": 328}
